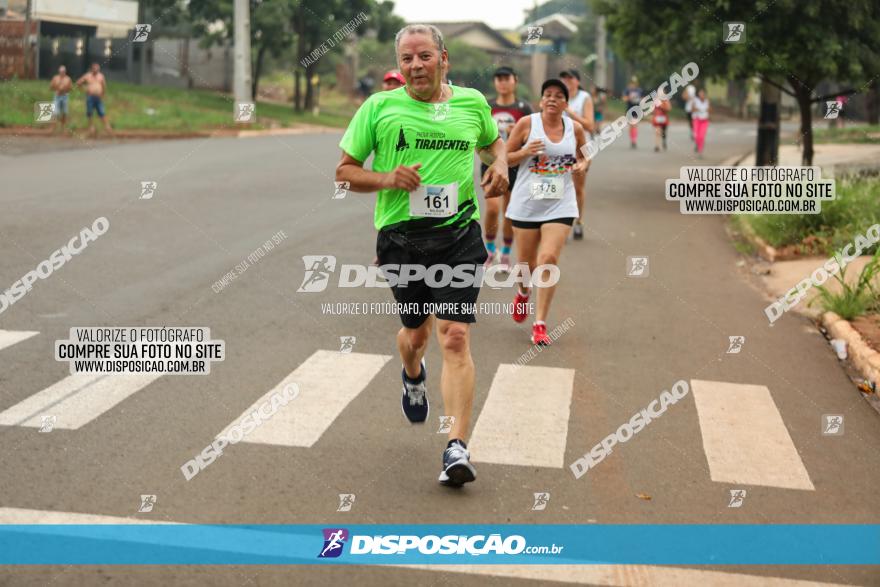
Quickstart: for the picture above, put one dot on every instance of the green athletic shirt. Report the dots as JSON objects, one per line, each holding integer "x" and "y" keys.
{"x": 403, "y": 131}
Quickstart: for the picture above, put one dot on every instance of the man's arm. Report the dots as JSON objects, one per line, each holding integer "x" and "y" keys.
{"x": 359, "y": 179}
{"x": 488, "y": 155}
{"x": 495, "y": 182}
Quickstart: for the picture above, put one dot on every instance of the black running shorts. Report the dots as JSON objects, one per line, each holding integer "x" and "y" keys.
{"x": 428, "y": 247}
{"x": 538, "y": 223}
{"x": 511, "y": 174}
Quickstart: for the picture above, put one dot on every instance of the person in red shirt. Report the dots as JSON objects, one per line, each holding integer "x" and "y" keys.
{"x": 660, "y": 120}
{"x": 506, "y": 110}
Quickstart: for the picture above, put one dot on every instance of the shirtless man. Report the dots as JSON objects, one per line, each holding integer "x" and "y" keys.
{"x": 96, "y": 86}
{"x": 61, "y": 84}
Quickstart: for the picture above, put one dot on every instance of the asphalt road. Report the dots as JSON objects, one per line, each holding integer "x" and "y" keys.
{"x": 218, "y": 200}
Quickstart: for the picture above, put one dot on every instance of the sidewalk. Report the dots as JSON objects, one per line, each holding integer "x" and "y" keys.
{"x": 833, "y": 157}
{"x": 862, "y": 335}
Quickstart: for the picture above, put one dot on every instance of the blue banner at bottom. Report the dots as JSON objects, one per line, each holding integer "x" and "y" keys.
{"x": 175, "y": 544}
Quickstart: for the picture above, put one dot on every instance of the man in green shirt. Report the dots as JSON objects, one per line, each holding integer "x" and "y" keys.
{"x": 423, "y": 136}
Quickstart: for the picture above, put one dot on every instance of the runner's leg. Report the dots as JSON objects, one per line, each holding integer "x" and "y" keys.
{"x": 506, "y": 226}
{"x": 579, "y": 178}
{"x": 411, "y": 343}
{"x": 700, "y": 127}
{"x": 457, "y": 377}
{"x": 490, "y": 226}
{"x": 527, "y": 240}
{"x": 552, "y": 239}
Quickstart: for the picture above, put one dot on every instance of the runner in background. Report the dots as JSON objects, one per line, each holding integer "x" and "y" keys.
{"x": 580, "y": 109}
{"x": 547, "y": 146}
{"x": 506, "y": 110}
{"x": 392, "y": 80}
{"x": 600, "y": 98}
{"x": 631, "y": 96}
{"x": 701, "y": 120}
{"x": 660, "y": 120}
{"x": 690, "y": 92}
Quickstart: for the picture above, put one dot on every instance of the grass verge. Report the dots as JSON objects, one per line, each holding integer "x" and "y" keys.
{"x": 135, "y": 107}
{"x": 856, "y": 207}
{"x": 861, "y": 133}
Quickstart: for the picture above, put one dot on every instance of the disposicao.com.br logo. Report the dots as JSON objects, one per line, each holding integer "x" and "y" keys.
{"x": 450, "y": 544}
{"x": 319, "y": 268}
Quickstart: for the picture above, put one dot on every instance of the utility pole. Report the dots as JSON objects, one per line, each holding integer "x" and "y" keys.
{"x": 242, "y": 71}
{"x": 27, "y": 52}
{"x": 601, "y": 72}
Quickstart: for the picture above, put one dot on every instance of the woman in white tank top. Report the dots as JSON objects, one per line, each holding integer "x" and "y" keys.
{"x": 547, "y": 150}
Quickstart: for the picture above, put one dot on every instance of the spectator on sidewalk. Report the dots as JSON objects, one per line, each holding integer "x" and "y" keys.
{"x": 96, "y": 88}
{"x": 61, "y": 84}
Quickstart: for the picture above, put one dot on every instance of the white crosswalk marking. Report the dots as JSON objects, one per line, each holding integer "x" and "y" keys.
{"x": 517, "y": 428}
{"x": 11, "y": 337}
{"x": 328, "y": 381}
{"x": 28, "y": 516}
{"x": 744, "y": 437}
{"x": 76, "y": 400}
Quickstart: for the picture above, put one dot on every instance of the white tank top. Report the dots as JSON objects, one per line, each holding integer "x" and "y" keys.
{"x": 701, "y": 109}
{"x": 544, "y": 189}
{"x": 577, "y": 102}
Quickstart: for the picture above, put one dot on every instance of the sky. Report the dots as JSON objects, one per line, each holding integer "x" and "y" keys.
{"x": 498, "y": 14}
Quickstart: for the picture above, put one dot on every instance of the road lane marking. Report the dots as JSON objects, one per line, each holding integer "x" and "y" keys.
{"x": 525, "y": 418}
{"x": 744, "y": 437}
{"x": 76, "y": 400}
{"x": 621, "y": 575}
{"x": 11, "y": 337}
{"x": 328, "y": 381}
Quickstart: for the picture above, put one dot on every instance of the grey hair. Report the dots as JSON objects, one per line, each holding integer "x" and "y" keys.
{"x": 435, "y": 33}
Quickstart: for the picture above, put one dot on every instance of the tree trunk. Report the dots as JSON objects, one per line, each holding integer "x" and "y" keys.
{"x": 767, "y": 151}
{"x": 872, "y": 103}
{"x": 805, "y": 105}
{"x": 258, "y": 69}
{"x": 310, "y": 89}
{"x": 297, "y": 96}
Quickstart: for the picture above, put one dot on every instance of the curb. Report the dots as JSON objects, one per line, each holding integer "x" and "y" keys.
{"x": 28, "y": 131}
{"x": 765, "y": 251}
{"x": 862, "y": 356}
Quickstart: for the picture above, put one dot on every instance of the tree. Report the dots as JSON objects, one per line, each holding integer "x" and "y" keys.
{"x": 322, "y": 25}
{"x": 800, "y": 42}
{"x": 270, "y": 30}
